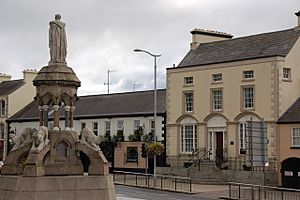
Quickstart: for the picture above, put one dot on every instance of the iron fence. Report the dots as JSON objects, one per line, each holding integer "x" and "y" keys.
{"x": 163, "y": 182}
{"x": 258, "y": 192}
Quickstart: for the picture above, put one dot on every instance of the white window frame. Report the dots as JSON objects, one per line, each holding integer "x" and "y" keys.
{"x": 248, "y": 74}
{"x": 248, "y": 97}
{"x": 152, "y": 126}
{"x": 95, "y": 127}
{"x": 216, "y": 78}
{"x": 217, "y": 100}
{"x": 107, "y": 127}
{"x": 295, "y": 136}
{"x": 189, "y": 80}
{"x": 286, "y": 73}
{"x": 120, "y": 124}
{"x": 188, "y": 101}
{"x": 188, "y": 140}
{"x": 136, "y": 124}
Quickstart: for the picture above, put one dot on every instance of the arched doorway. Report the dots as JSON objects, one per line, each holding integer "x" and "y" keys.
{"x": 290, "y": 173}
{"x": 217, "y": 138}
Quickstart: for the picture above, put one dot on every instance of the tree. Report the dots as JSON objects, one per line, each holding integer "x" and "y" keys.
{"x": 155, "y": 149}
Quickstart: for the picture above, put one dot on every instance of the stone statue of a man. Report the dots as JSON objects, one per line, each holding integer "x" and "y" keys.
{"x": 57, "y": 41}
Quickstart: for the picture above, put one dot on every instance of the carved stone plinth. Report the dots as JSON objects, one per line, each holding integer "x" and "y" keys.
{"x": 57, "y": 187}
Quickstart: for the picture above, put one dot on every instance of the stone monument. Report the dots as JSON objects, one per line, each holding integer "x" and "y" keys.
{"x": 46, "y": 164}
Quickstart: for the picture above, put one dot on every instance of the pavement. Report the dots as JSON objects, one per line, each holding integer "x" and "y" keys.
{"x": 210, "y": 191}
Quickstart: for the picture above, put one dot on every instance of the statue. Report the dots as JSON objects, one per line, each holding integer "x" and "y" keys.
{"x": 57, "y": 41}
{"x": 40, "y": 139}
{"x": 88, "y": 136}
{"x": 23, "y": 139}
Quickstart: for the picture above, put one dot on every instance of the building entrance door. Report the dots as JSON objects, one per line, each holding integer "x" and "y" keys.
{"x": 219, "y": 147}
{"x": 290, "y": 173}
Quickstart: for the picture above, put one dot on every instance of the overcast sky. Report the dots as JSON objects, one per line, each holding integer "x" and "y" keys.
{"x": 102, "y": 34}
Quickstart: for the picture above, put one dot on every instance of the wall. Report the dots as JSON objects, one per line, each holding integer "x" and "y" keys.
{"x": 121, "y": 152}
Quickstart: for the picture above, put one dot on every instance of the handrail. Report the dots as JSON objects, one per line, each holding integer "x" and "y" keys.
{"x": 199, "y": 160}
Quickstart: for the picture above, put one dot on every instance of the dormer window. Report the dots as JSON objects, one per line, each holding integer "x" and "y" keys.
{"x": 216, "y": 78}
{"x": 188, "y": 80}
{"x": 248, "y": 75}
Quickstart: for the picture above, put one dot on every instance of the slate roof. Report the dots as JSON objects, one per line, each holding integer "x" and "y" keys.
{"x": 277, "y": 43}
{"x": 104, "y": 106}
{"x": 292, "y": 115}
{"x": 8, "y": 87}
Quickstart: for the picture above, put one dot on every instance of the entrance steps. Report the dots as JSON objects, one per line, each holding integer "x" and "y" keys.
{"x": 207, "y": 173}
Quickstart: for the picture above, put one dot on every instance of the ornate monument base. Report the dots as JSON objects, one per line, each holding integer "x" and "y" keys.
{"x": 57, "y": 187}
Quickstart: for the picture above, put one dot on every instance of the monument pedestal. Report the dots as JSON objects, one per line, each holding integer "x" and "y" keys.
{"x": 57, "y": 187}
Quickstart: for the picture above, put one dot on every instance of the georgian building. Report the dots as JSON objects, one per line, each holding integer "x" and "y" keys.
{"x": 221, "y": 83}
{"x": 14, "y": 95}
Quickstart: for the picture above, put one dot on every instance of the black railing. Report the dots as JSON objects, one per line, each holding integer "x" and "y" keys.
{"x": 162, "y": 182}
{"x": 259, "y": 192}
{"x": 196, "y": 158}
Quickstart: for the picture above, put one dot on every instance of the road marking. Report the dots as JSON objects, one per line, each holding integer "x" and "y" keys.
{"x": 122, "y": 197}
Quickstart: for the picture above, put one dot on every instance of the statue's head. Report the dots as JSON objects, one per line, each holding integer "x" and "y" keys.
{"x": 57, "y": 17}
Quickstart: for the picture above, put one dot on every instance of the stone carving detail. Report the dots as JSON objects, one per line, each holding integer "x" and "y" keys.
{"x": 23, "y": 139}
{"x": 88, "y": 136}
{"x": 40, "y": 139}
{"x": 57, "y": 41}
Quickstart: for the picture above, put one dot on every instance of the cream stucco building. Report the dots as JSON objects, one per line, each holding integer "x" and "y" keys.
{"x": 14, "y": 95}
{"x": 223, "y": 82}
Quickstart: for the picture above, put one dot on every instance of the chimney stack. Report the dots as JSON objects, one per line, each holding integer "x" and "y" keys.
{"x": 298, "y": 15}
{"x": 202, "y": 36}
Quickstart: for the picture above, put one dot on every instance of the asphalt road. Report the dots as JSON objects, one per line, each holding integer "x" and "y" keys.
{"x": 135, "y": 193}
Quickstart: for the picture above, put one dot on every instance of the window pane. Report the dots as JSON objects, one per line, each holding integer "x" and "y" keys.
{"x": 248, "y": 97}
{"x": 248, "y": 74}
{"x": 217, "y": 77}
{"x": 188, "y": 138}
{"x": 217, "y": 100}
{"x": 188, "y": 80}
{"x": 188, "y": 102}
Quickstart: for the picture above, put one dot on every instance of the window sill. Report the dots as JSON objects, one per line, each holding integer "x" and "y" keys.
{"x": 248, "y": 109}
{"x": 286, "y": 80}
{"x": 188, "y": 85}
{"x": 248, "y": 80}
{"x": 295, "y": 147}
{"x": 217, "y": 82}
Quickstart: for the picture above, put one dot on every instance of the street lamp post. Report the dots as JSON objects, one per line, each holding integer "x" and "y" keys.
{"x": 155, "y": 56}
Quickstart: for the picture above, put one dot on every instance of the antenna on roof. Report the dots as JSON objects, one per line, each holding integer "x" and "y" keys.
{"x": 108, "y": 82}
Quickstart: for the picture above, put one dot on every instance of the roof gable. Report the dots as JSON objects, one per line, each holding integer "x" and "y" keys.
{"x": 8, "y": 87}
{"x": 277, "y": 43}
{"x": 292, "y": 115}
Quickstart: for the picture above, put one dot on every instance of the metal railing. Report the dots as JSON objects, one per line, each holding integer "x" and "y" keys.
{"x": 259, "y": 192}
{"x": 196, "y": 158}
{"x": 162, "y": 182}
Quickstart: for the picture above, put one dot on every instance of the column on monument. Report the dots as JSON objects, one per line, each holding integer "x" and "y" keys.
{"x": 45, "y": 109}
{"x": 67, "y": 117}
{"x": 55, "y": 117}
{"x": 41, "y": 115}
{"x": 71, "y": 117}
